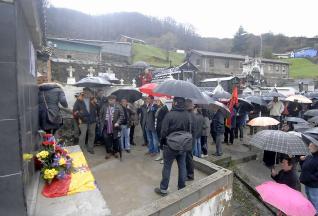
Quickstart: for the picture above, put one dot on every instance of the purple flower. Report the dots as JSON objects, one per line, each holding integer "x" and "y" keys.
{"x": 61, "y": 174}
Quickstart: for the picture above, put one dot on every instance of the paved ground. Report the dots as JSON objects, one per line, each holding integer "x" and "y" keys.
{"x": 129, "y": 184}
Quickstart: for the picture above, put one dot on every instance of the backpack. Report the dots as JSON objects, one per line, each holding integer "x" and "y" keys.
{"x": 180, "y": 140}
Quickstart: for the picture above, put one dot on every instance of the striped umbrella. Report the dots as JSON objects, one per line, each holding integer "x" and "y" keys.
{"x": 279, "y": 141}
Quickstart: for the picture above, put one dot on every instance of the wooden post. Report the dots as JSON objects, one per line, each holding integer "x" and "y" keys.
{"x": 49, "y": 72}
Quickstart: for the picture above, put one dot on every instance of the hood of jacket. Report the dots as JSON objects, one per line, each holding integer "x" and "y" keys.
{"x": 49, "y": 86}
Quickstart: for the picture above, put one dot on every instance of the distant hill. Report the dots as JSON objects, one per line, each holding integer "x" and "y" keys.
{"x": 302, "y": 68}
{"x": 155, "y": 56}
{"x": 164, "y": 33}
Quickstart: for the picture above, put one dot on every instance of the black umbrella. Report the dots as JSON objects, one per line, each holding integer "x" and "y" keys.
{"x": 256, "y": 100}
{"x": 313, "y": 112}
{"x": 312, "y": 95}
{"x": 179, "y": 88}
{"x": 127, "y": 92}
{"x": 312, "y": 130}
{"x": 313, "y": 120}
{"x": 273, "y": 93}
{"x": 92, "y": 82}
{"x": 310, "y": 138}
{"x": 203, "y": 101}
{"x": 301, "y": 127}
{"x": 296, "y": 120}
{"x": 279, "y": 141}
{"x": 219, "y": 105}
{"x": 245, "y": 105}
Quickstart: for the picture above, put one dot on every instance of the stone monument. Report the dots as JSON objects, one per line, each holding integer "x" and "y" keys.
{"x": 91, "y": 71}
{"x": 70, "y": 79}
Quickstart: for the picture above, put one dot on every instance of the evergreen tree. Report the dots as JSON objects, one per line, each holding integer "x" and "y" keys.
{"x": 240, "y": 41}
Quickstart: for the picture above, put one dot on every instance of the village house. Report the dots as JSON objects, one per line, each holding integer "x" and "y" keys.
{"x": 223, "y": 64}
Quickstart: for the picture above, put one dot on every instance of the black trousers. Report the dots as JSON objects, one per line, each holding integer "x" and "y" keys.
{"x": 229, "y": 132}
{"x": 131, "y": 134}
{"x": 189, "y": 165}
{"x": 111, "y": 144}
{"x": 204, "y": 145}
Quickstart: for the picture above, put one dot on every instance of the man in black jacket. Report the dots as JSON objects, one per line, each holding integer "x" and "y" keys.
{"x": 287, "y": 175}
{"x": 174, "y": 121}
{"x": 85, "y": 110}
{"x": 309, "y": 173}
{"x": 217, "y": 130}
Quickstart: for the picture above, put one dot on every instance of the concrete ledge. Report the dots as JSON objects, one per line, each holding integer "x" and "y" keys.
{"x": 216, "y": 190}
{"x": 79, "y": 204}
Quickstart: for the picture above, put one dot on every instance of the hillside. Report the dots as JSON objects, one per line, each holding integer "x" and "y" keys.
{"x": 156, "y": 56}
{"x": 165, "y": 33}
{"x": 302, "y": 68}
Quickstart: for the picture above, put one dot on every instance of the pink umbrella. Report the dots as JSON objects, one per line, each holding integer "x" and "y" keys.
{"x": 286, "y": 199}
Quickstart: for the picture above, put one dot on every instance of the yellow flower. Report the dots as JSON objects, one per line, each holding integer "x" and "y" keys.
{"x": 50, "y": 173}
{"x": 62, "y": 162}
{"x": 27, "y": 156}
{"x": 42, "y": 154}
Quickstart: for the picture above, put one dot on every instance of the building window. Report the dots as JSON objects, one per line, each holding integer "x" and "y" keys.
{"x": 227, "y": 63}
{"x": 277, "y": 68}
{"x": 68, "y": 56}
{"x": 241, "y": 64}
{"x": 283, "y": 68}
{"x": 198, "y": 62}
{"x": 269, "y": 67}
{"x": 211, "y": 62}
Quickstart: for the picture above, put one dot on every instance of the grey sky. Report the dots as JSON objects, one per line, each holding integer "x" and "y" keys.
{"x": 217, "y": 18}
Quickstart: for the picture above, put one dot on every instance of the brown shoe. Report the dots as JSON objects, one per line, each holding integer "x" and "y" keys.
{"x": 147, "y": 153}
{"x": 107, "y": 156}
{"x": 116, "y": 155}
{"x": 144, "y": 144}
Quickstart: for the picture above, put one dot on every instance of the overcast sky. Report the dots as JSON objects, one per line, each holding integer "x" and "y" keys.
{"x": 217, "y": 18}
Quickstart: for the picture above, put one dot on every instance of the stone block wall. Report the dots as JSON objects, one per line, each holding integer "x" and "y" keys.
{"x": 83, "y": 56}
{"x": 18, "y": 110}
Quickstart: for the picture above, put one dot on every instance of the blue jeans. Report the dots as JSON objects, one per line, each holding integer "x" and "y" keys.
{"x": 152, "y": 141}
{"x": 197, "y": 150}
{"x": 124, "y": 138}
{"x": 312, "y": 195}
{"x": 168, "y": 157}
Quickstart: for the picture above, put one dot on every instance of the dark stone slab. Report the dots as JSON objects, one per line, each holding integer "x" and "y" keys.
{"x": 8, "y": 108}
{"x": 9, "y": 148}
{"x": 12, "y": 198}
{"x": 7, "y": 36}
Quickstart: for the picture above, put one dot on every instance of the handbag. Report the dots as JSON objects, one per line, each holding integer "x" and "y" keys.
{"x": 181, "y": 140}
{"x": 53, "y": 116}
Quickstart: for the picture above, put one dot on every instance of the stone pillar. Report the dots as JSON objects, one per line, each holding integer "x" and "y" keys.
{"x": 18, "y": 110}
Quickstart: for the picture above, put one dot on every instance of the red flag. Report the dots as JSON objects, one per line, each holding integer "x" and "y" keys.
{"x": 233, "y": 101}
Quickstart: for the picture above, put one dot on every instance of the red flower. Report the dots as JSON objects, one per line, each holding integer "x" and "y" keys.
{"x": 60, "y": 150}
{"x": 48, "y": 143}
{"x": 47, "y": 135}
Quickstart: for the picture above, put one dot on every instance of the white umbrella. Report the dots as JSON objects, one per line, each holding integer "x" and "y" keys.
{"x": 299, "y": 99}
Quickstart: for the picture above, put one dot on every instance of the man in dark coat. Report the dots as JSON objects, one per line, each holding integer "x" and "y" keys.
{"x": 287, "y": 175}
{"x": 217, "y": 130}
{"x": 309, "y": 173}
{"x": 50, "y": 96}
{"x": 194, "y": 130}
{"x": 152, "y": 137}
{"x": 142, "y": 111}
{"x": 174, "y": 121}
{"x": 111, "y": 117}
{"x": 85, "y": 110}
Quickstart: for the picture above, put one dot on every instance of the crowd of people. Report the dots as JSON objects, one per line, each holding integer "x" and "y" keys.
{"x": 166, "y": 124}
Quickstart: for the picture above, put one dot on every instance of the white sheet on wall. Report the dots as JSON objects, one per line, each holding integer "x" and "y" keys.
{"x": 32, "y": 59}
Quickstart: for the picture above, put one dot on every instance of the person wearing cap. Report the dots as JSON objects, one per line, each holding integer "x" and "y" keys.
{"x": 111, "y": 118}
{"x": 276, "y": 108}
{"x": 85, "y": 110}
{"x": 309, "y": 170}
{"x": 175, "y": 120}
{"x": 160, "y": 115}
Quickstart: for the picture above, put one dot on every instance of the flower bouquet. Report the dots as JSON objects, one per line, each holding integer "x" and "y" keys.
{"x": 53, "y": 159}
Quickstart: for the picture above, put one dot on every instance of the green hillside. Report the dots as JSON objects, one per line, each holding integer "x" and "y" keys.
{"x": 302, "y": 68}
{"x": 155, "y": 56}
